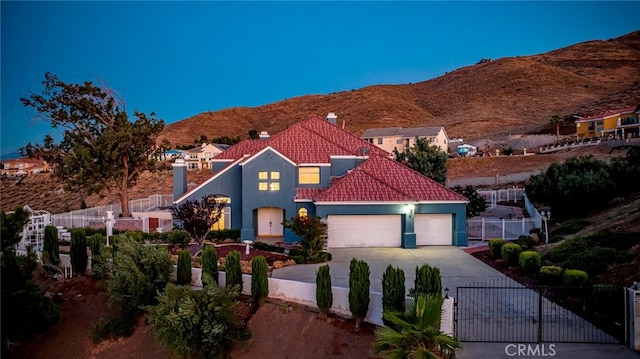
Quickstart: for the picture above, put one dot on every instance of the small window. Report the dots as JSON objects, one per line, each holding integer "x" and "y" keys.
{"x": 380, "y": 140}
{"x": 274, "y": 186}
{"x": 262, "y": 186}
{"x": 303, "y": 212}
{"x": 275, "y": 175}
{"x": 309, "y": 175}
{"x": 262, "y": 175}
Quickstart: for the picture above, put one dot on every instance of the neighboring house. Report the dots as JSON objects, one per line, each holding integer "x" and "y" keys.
{"x": 315, "y": 168}
{"x": 399, "y": 138}
{"x": 617, "y": 124}
{"x": 200, "y": 157}
{"x": 23, "y": 167}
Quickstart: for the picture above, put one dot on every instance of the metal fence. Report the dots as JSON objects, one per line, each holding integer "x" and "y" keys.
{"x": 542, "y": 314}
{"x": 507, "y": 229}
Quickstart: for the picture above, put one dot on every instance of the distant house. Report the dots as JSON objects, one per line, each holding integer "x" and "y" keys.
{"x": 618, "y": 124}
{"x": 23, "y": 167}
{"x": 399, "y": 138}
{"x": 200, "y": 157}
{"x": 315, "y": 168}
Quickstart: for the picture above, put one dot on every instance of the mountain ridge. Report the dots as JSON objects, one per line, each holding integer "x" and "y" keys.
{"x": 516, "y": 94}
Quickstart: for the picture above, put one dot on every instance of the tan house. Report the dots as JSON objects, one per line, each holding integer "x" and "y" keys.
{"x": 399, "y": 138}
{"x": 200, "y": 157}
{"x": 618, "y": 124}
{"x": 23, "y": 167}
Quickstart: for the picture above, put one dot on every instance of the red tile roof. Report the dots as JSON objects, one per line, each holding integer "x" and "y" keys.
{"x": 381, "y": 179}
{"x": 607, "y": 113}
{"x": 312, "y": 141}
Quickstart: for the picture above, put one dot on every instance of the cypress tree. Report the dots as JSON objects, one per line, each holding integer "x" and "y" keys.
{"x": 427, "y": 281}
{"x": 209, "y": 264}
{"x": 393, "y": 289}
{"x": 359, "y": 284}
{"x": 184, "y": 267}
{"x": 233, "y": 270}
{"x": 259, "y": 279}
{"x": 51, "y": 244}
{"x": 324, "y": 296}
{"x": 78, "y": 250}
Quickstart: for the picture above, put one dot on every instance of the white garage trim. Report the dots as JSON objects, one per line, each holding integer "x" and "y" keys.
{"x": 433, "y": 229}
{"x": 364, "y": 231}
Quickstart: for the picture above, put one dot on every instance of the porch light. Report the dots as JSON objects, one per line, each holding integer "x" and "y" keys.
{"x": 408, "y": 209}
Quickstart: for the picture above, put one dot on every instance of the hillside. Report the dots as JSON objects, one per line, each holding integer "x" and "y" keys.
{"x": 514, "y": 94}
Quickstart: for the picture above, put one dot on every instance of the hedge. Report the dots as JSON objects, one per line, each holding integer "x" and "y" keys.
{"x": 495, "y": 248}
{"x": 511, "y": 254}
{"x": 550, "y": 275}
{"x": 530, "y": 262}
{"x": 575, "y": 277}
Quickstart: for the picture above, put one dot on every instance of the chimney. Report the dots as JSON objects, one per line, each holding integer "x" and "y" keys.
{"x": 332, "y": 118}
{"x": 179, "y": 178}
{"x": 264, "y": 135}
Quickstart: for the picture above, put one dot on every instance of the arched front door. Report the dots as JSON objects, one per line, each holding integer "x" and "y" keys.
{"x": 270, "y": 221}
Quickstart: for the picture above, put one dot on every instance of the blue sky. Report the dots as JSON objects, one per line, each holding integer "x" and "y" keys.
{"x": 180, "y": 59}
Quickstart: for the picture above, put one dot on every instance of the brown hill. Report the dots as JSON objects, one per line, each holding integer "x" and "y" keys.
{"x": 515, "y": 94}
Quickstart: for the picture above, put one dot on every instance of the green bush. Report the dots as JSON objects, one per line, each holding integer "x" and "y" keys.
{"x": 233, "y": 270}
{"x": 495, "y": 248}
{"x": 296, "y": 252}
{"x": 511, "y": 254}
{"x": 593, "y": 260}
{"x": 259, "y": 279}
{"x": 325, "y": 257}
{"x": 78, "y": 250}
{"x": 393, "y": 289}
{"x": 209, "y": 264}
{"x": 260, "y": 245}
{"x": 184, "y": 267}
{"x": 324, "y": 296}
{"x": 222, "y": 234}
{"x": 565, "y": 249}
{"x": 550, "y": 275}
{"x": 526, "y": 242}
{"x": 51, "y": 244}
{"x": 179, "y": 238}
{"x": 427, "y": 282}
{"x": 570, "y": 226}
{"x": 530, "y": 262}
{"x": 96, "y": 242}
{"x": 197, "y": 323}
{"x": 359, "y": 284}
{"x": 575, "y": 277}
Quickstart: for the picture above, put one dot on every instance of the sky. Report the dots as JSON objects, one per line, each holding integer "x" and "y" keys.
{"x": 179, "y": 59}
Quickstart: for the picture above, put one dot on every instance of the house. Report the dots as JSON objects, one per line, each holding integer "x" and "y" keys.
{"x": 315, "y": 168}
{"x": 616, "y": 124}
{"x": 23, "y": 166}
{"x": 200, "y": 157}
{"x": 399, "y": 138}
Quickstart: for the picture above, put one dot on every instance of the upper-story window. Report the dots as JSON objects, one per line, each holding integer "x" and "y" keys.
{"x": 380, "y": 140}
{"x": 309, "y": 175}
{"x": 269, "y": 181}
{"x": 303, "y": 212}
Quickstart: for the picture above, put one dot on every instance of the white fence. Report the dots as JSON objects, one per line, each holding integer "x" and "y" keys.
{"x": 533, "y": 212}
{"x": 492, "y": 197}
{"x": 508, "y": 229}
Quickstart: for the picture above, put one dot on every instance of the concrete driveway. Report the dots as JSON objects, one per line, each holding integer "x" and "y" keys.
{"x": 457, "y": 267}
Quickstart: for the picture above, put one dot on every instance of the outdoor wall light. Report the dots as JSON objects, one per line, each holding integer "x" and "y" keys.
{"x": 446, "y": 293}
{"x": 408, "y": 209}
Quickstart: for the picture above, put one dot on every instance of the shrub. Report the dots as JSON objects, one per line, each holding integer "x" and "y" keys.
{"x": 95, "y": 243}
{"x": 575, "y": 277}
{"x": 550, "y": 275}
{"x": 495, "y": 248}
{"x": 511, "y": 254}
{"x": 260, "y": 246}
{"x": 209, "y": 264}
{"x": 184, "y": 267}
{"x": 526, "y": 242}
{"x": 593, "y": 260}
{"x": 324, "y": 296}
{"x": 530, "y": 262}
{"x": 100, "y": 265}
{"x": 427, "y": 281}
{"x": 233, "y": 270}
{"x": 564, "y": 250}
{"x": 570, "y": 226}
{"x": 259, "y": 279}
{"x": 51, "y": 244}
{"x": 184, "y": 321}
{"x": 393, "y": 289}
{"x": 78, "y": 250}
{"x": 325, "y": 256}
{"x": 359, "y": 284}
{"x": 180, "y": 238}
{"x": 222, "y": 234}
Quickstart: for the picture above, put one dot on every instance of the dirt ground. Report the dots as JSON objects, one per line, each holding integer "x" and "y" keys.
{"x": 279, "y": 330}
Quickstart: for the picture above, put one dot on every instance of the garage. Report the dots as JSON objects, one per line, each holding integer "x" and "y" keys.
{"x": 364, "y": 231}
{"x": 433, "y": 229}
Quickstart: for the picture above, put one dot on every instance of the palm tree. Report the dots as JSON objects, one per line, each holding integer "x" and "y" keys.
{"x": 556, "y": 120}
{"x": 416, "y": 333}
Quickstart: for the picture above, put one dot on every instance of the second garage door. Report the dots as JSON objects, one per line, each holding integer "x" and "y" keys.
{"x": 433, "y": 229}
{"x": 364, "y": 231}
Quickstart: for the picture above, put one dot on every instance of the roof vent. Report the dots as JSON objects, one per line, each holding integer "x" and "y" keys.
{"x": 264, "y": 135}
{"x": 364, "y": 151}
{"x": 331, "y": 117}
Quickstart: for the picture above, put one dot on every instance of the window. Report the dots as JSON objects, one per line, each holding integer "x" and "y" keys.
{"x": 268, "y": 181}
{"x": 303, "y": 212}
{"x": 380, "y": 140}
{"x": 275, "y": 175}
{"x": 274, "y": 186}
{"x": 262, "y": 175}
{"x": 262, "y": 186}
{"x": 309, "y": 175}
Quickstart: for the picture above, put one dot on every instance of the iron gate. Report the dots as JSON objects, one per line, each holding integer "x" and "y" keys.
{"x": 595, "y": 314}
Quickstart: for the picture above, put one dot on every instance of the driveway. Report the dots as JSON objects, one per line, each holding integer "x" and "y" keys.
{"x": 457, "y": 268}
